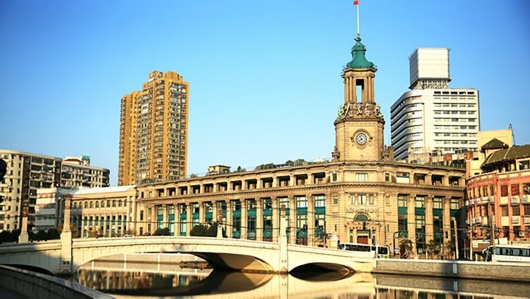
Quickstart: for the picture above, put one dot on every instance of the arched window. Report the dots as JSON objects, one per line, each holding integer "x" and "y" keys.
{"x": 102, "y": 203}
{"x": 108, "y": 203}
{"x": 86, "y": 204}
{"x": 114, "y": 203}
{"x": 119, "y": 203}
{"x": 97, "y": 204}
{"x": 91, "y": 204}
{"x": 75, "y": 205}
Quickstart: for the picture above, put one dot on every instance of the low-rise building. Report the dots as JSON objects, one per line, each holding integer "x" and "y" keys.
{"x": 498, "y": 199}
{"x": 26, "y": 173}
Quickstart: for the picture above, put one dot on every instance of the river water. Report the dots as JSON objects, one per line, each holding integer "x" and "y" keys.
{"x": 170, "y": 280}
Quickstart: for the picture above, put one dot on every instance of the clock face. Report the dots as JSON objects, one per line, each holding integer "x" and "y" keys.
{"x": 361, "y": 139}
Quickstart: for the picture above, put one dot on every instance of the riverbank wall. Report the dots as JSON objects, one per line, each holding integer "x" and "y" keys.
{"x": 454, "y": 269}
{"x": 40, "y": 286}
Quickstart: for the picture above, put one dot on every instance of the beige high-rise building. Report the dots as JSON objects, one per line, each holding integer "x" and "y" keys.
{"x": 154, "y": 131}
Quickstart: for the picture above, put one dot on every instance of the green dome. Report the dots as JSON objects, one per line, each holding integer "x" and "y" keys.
{"x": 359, "y": 61}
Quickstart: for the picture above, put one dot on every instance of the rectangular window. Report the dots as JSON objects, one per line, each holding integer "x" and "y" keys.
{"x": 455, "y": 204}
{"x": 285, "y": 202}
{"x": 419, "y": 202}
{"x": 526, "y": 188}
{"x": 335, "y": 200}
{"x": 361, "y": 177}
{"x": 301, "y": 202}
{"x": 516, "y": 211}
{"x": 504, "y": 210}
{"x": 141, "y": 215}
{"x": 320, "y": 201}
{"x": 437, "y": 203}
{"x": 402, "y": 201}
{"x": 504, "y": 190}
{"x": 362, "y": 199}
{"x": 515, "y": 189}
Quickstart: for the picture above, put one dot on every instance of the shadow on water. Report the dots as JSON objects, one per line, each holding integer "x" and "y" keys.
{"x": 318, "y": 273}
{"x": 218, "y": 282}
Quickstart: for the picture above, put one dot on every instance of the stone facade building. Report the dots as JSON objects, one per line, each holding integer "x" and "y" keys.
{"x": 361, "y": 195}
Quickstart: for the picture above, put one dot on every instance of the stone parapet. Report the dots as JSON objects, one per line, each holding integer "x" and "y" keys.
{"x": 35, "y": 285}
{"x": 455, "y": 269}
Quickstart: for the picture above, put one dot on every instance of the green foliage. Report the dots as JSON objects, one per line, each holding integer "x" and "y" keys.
{"x": 53, "y": 234}
{"x": 42, "y": 235}
{"x": 433, "y": 247}
{"x": 202, "y": 230}
{"x": 162, "y": 232}
{"x": 7, "y": 237}
{"x": 405, "y": 245}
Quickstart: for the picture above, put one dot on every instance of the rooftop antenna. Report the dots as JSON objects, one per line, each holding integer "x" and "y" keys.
{"x": 513, "y": 135}
{"x": 356, "y": 4}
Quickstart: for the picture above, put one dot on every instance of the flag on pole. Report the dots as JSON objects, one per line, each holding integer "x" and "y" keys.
{"x": 355, "y": 2}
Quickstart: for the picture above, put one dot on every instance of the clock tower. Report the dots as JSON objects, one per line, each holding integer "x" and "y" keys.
{"x": 359, "y": 125}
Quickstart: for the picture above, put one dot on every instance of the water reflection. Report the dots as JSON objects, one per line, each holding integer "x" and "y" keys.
{"x": 173, "y": 281}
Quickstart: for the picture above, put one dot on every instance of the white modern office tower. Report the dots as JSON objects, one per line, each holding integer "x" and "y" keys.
{"x": 431, "y": 117}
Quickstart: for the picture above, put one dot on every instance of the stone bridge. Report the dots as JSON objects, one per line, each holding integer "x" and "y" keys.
{"x": 221, "y": 253}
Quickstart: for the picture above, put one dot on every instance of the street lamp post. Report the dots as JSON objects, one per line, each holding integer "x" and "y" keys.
{"x": 394, "y": 242}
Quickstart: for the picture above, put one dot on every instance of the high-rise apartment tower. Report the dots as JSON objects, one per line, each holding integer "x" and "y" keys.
{"x": 431, "y": 117}
{"x": 154, "y": 131}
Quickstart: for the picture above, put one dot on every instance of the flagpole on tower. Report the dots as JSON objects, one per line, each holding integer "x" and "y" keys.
{"x": 356, "y": 3}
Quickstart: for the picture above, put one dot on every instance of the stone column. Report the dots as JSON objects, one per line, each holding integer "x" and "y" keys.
{"x": 189, "y": 217}
{"x": 154, "y": 220}
{"x": 244, "y": 219}
{"x": 216, "y": 210}
{"x": 283, "y": 263}
{"x": 275, "y": 219}
{"x": 311, "y": 220}
{"x": 446, "y": 218}
{"x": 411, "y": 222}
{"x": 292, "y": 220}
{"x": 429, "y": 220}
{"x": 177, "y": 220}
{"x": 259, "y": 219}
{"x": 218, "y": 216}
{"x": 229, "y": 221}
{"x": 202, "y": 212}
{"x": 165, "y": 217}
{"x": 131, "y": 200}
{"x": 66, "y": 239}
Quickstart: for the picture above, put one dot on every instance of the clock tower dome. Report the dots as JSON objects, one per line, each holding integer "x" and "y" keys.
{"x": 359, "y": 125}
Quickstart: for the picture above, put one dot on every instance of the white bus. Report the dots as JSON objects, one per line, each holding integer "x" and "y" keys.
{"x": 365, "y": 250}
{"x": 507, "y": 253}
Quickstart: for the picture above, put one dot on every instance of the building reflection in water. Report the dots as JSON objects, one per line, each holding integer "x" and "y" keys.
{"x": 205, "y": 283}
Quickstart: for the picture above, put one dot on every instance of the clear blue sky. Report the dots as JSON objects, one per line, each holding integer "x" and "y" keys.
{"x": 264, "y": 76}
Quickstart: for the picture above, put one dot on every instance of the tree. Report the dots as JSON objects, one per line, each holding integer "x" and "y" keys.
{"x": 42, "y": 235}
{"x": 433, "y": 248}
{"x": 405, "y": 246}
{"x": 53, "y": 234}
{"x": 449, "y": 248}
{"x": 76, "y": 233}
{"x": 204, "y": 230}
{"x": 199, "y": 230}
{"x": 162, "y": 232}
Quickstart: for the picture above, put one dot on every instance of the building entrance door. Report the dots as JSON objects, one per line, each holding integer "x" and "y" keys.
{"x": 362, "y": 239}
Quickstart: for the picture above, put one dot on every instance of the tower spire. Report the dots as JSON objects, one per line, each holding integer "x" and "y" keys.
{"x": 356, "y": 4}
